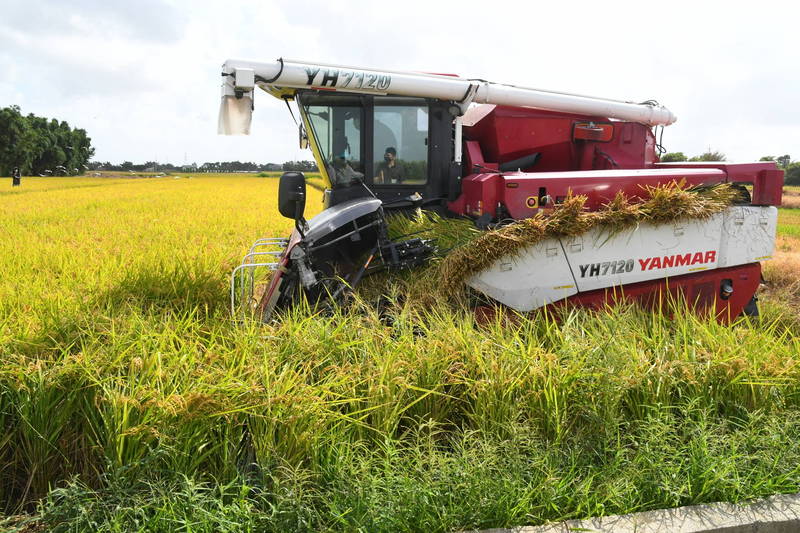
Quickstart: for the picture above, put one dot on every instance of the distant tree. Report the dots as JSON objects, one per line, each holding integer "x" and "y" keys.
{"x": 209, "y": 166}
{"x": 302, "y": 166}
{"x": 783, "y": 161}
{"x": 768, "y": 158}
{"x": 709, "y": 156}
{"x": 673, "y": 157}
{"x": 41, "y": 146}
{"x": 17, "y": 141}
{"x": 792, "y": 176}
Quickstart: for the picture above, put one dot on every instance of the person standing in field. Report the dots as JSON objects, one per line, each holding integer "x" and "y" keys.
{"x": 16, "y": 179}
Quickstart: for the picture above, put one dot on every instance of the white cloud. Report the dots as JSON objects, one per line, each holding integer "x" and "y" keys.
{"x": 143, "y": 77}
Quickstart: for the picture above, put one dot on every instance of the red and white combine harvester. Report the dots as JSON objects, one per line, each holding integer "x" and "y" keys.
{"x": 386, "y": 140}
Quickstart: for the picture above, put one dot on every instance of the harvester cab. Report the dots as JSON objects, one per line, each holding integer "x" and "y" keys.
{"x": 386, "y": 140}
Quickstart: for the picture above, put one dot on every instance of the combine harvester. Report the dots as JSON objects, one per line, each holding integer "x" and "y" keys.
{"x": 386, "y": 140}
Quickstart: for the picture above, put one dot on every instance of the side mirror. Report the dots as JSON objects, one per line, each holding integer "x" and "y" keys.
{"x": 303, "y": 137}
{"x": 292, "y": 195}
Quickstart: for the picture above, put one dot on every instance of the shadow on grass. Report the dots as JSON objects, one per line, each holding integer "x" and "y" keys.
{"x": 152, "y": 292}
{"x": 174, "y": 288}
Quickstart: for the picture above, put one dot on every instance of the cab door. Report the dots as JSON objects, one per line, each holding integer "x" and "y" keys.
{"x": 395, "y": 146}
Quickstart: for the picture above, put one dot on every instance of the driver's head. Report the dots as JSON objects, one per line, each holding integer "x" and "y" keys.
{"x": 390, "y": 154}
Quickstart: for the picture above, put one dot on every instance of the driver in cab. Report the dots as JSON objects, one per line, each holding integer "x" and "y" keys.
{"x": 389, "y": 171}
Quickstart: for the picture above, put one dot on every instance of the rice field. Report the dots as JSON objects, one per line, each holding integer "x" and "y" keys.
{"x": 130, "y": 402}
{"x": 791, "y": 197}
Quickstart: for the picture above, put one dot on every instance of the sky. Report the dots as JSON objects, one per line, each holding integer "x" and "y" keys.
{"x": 143, "y": 77}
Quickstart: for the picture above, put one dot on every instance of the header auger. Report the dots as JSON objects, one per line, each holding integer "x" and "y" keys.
{"x": 387, "y": 140}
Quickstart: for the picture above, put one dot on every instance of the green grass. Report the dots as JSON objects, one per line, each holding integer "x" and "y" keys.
{"x": 466, "y": 480}
{"x": 131, "y": 403}
{"x": 789, "y": 223}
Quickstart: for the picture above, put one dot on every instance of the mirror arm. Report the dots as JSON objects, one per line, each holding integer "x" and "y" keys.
{"x": 299, "y": 221}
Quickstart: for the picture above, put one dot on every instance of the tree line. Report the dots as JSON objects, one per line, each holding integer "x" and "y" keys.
{"x": 40, "y": 146}
{"x": 49, "y": 147}
{"x": 790, "y": 168}
{"x": 217, "y": 166}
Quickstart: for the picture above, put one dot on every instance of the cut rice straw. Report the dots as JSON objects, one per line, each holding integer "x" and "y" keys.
{"x": 663, "y": 204}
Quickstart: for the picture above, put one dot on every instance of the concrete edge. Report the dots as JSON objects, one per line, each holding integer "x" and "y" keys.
{"x": 776, "y": 514}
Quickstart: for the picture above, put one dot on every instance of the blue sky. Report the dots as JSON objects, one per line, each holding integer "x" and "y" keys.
{"x": 143, "y": 77}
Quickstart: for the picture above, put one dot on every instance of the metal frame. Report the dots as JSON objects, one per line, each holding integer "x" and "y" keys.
{"x": 244, "y": 274}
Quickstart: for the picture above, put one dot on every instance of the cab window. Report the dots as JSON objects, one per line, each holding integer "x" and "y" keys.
{"x": 400, "y": 144}
{"x": 337, "y": 130}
